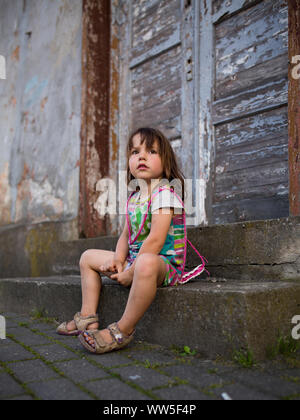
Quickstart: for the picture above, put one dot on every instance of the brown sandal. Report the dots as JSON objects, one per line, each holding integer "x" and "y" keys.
{"x": 81, "y": 322}
{"x": 119, "y": 340}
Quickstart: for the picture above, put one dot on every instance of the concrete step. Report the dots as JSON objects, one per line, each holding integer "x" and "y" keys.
{"x": 267, "y": 250}
{"x": 216, "y": 318}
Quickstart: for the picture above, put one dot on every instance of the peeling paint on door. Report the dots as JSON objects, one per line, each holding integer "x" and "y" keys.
{"x": 294, "y": 109}
{"x": 94, "y": 156}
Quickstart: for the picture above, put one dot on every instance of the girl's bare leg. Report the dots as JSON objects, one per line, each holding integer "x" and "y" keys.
{"x": 150, "y": 271}
{"x": 91, "y": 282}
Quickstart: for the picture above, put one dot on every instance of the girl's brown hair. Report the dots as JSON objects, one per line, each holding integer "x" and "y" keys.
{"x": 171, "y": 170}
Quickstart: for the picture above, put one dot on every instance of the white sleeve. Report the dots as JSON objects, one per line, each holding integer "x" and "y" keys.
{"x": 166, "y": 198}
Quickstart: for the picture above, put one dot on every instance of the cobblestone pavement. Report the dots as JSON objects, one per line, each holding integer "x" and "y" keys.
{"x": 36, "y": 363}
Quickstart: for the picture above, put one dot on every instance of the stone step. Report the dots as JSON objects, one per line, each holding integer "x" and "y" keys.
{"x": 267, "y": 250}
{"x": 216, "y": 318}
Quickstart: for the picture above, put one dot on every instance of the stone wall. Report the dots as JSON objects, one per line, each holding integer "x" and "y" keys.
{"x": 40, "y": 102}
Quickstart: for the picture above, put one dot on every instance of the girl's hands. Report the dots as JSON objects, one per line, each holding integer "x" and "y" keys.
{"x": 124, "y": 278}
{"x": 112, "y": 265}
{"x": 113, "y": 269}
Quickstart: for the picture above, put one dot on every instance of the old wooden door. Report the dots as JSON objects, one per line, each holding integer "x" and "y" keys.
{"x": 243, "y": 109}
{"x": 213, "y": 76}
{"x": 153, "y": 50}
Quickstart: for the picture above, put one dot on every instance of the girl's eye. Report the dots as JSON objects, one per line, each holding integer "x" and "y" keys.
{"x": 135, "y": 151}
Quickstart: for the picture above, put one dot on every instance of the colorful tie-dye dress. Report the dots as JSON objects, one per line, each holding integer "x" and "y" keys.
{"x": 173, "y": 249}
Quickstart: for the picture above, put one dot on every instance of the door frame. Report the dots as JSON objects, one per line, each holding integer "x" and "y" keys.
{"x": 294, "y": 107}
{"x": 94, "y": 134}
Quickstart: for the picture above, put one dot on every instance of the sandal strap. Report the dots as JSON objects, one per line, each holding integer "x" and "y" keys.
{"x": 62, "y": 328}
{"x": 97, "y": 337}
{"x": 117, "y": 335}
{"x": 101, "y": 346}
{"x": 82, "y": 322}
{"x": 115, "y": 332}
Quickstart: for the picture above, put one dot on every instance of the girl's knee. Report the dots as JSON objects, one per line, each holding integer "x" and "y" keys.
{"x": 85, "y": 258}
{"x": 147, "y": 263}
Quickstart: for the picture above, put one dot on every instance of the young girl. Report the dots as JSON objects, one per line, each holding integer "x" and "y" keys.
{"x": 149, "y": 252}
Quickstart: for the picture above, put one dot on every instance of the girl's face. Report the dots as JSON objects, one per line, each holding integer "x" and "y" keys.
{"x": 151, "y": 160}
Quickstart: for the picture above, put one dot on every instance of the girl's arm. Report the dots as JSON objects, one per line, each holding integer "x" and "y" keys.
{"x": 160, "y": 225}
{"x": 122, "y": 247}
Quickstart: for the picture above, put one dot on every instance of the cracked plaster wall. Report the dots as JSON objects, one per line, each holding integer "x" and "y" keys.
{"x": 40, "y": 110}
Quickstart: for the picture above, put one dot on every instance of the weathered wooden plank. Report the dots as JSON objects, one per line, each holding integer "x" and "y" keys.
{"x": 205, "y": 123}
{"x": 189, "y": 90}
{"x": 256, "y": 180}
{"x": 251, "y": 57}
{"x": 253, "y": 141}
{"x": 266, "y": 152}
{"x": 256, "y": 208}
{"x": 251, "y": 37}
{"x": 224, "y": 9}
{"x": 253, "y": 130}
{"x": 256, "y": 100}
{"x": 155, "y": 28}
{"x": 156, "y": 93}
{"x": 266, "y": 71}
{"x": 251, "y": 166}
{"x": 252, "y": 157}
{"x": 248, "y": 104}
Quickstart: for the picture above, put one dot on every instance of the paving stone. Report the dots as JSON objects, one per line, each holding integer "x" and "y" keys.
{"x": 72, "y": 342}
{"x": 195, "y": 375}
{"x": 51, "y": 332}
{"x": 264, "y": 382}
{"x": 210, "y": 366}
{"x": 180, "y": 392}
{"x": 14, "y": 352}
{"x": 68, "y": 341}
{"x": 29, "y": 338}
{"x": 32, "y": 370}
{"x": 55, "y": 353}
{"x": 11, "y": 323}
{"x": 153, "y": 357}
{"x": 117, "y": 358}
{"x": 58, "y": 389}
{"x": 16, "y": 319}
{"x": 114, "y": 389}
{"x": 81, "y": 370}
{"x": 8, "y": 386}
{"x": 145, "y": 378}
{"x": 6, "y": 342}
{"x": 240, "y": 392}
{"x": 24, "y": 397}
{"x": 205, "y": 379}
{"x": 292, "y": 375}
{"x": 43, "y": 327}
{"x": 9, "y": 314}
